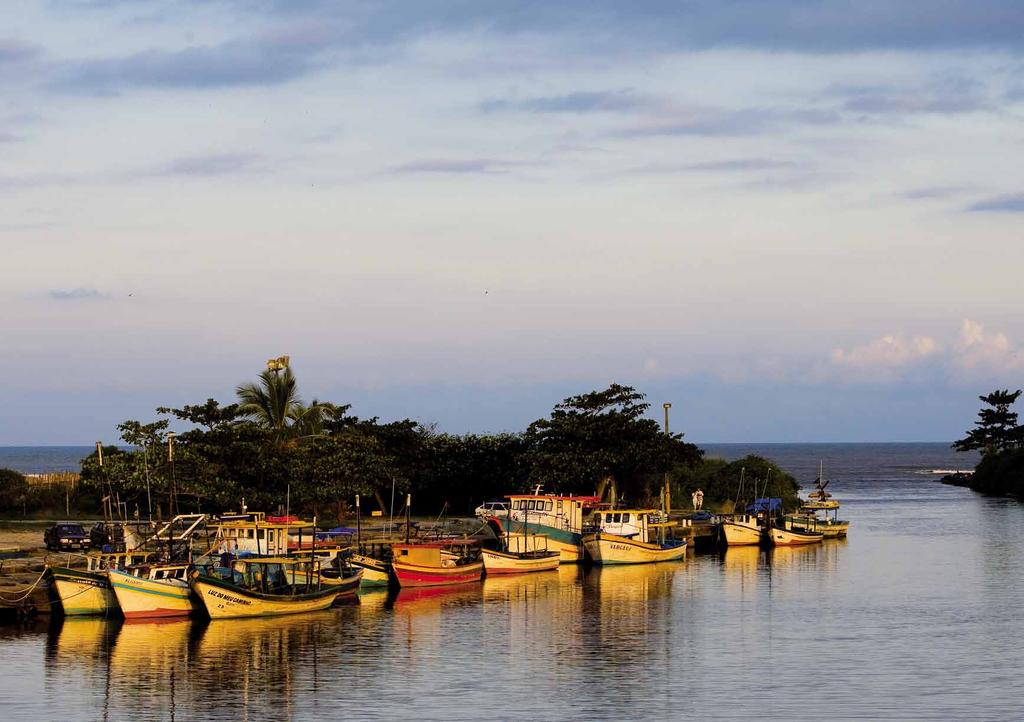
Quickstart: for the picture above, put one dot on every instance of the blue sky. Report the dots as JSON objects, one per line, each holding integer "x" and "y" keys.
{"x": 796, "y": 221}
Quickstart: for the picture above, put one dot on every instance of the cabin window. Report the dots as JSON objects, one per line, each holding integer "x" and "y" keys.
{"x": 548, "y": 506}
{"x": 405, "y": 552}
{"x": 559, "y": 505}
{"x": 270, "y": 535}
{"x": 625, "y": 518}
{"x": 261, "y": 533}
{"x": 531, "y": 505}
{"x": 250, "y": 533}
{"x": 617, "y": 518}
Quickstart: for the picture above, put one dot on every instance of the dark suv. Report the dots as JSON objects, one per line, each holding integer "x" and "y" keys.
{"x": 66, "y": 535}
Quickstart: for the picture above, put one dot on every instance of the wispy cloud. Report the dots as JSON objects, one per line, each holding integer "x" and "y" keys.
{"x": 448, "y": 165}
{"x": 1013, "y": 203}
{"x": 16, "y": 51}
{"x": 210, "y": 165}
{"x": 945, "y": 95}
{"x": 261, "y": 60}
{"x": 576, "y": 102}
{"x": 932, "y": 193}
{"x": 77, "y": 294}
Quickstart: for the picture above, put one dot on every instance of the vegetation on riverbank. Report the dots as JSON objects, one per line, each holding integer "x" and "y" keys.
{"x": 272, "y": 448}
{"x": 999, "y": 438}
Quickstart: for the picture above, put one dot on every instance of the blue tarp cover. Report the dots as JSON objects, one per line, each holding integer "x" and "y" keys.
{"x": 769, "y": 505}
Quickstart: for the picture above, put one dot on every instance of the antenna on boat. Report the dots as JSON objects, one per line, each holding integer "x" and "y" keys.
{"x": 408, "y": 516}
{"x": 359, "y": 527}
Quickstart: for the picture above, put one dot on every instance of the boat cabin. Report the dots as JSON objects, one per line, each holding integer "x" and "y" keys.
{"x": 644, "y": 525}
{"x": 256, "y": 533}
{"x": 99, "y": 562}
{"x": 560, "y": 512}
{"x": 448, "y": 553}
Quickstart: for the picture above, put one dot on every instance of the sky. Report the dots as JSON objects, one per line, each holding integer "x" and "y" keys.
{"x": 796, "y": 220}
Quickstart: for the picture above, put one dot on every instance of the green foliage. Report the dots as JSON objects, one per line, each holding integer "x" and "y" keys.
{"x": 996, "y": 428}
{"x": 13, "y": 488}
{"x": 720, "y": 481}
{"x": 1000, "y": 473}
{"x": 604, "y": 435}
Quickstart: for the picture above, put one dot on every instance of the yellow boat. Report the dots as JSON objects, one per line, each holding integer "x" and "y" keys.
{"x": 260, "y": 590}
{"x": 632, "y": 536}
{"x": 160, "y": 591}
{"x": 88, "y": 591}
{"x": 522, "y": 553}
{"x": 742, "y": 530}
{"x": 375, "y": 572}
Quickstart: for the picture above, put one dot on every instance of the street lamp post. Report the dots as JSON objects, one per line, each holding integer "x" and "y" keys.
{"x": 667, "y": 492}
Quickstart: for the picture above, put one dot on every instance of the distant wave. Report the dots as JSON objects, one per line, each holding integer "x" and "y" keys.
{"x": 942, "y": 471}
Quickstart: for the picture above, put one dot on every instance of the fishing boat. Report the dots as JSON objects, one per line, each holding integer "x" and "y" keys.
{"x": 520, "y": 553}
{"x": 792, "y": 537}
{"x": 157, "y": 591}
{"x": 741, "y": 529}
{"x": 819, "y": 498}
{"x": 560, "y": 518}
{"x": 429, "y": 564}
{"x": 632, "y": 536}
{"x": 253, "y": 532}
{"x": 830, "y": 527}
{"x": 344, "y": 580}
{"x": 88, "y": 591}
{"x": 375, "y": 572}
{"x": 260, "y": 589}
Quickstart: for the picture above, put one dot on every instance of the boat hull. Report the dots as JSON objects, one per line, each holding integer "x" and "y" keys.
{"x": 740, "y": 534}
{"x": 496, "y": 562}
{"x": 375, "y": 573}
{"x": 146, "y": 598}
{"x": 415, "y": 575}
{"x": 83, "y": 593}
{"x": 227, "y": 601}
{"x": 606, "y": 549}
{"x": 830, "y": 530}
{"x": 568, "y": 544}
{"x": 787, "y": 538}
{"x": 346, "y": 587}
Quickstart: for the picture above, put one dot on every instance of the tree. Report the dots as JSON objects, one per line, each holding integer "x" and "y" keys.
{"x": 13, "y": 488}
{"x": 603, "y": 437}
{"x": 996, "y": 428}
{"x": 274, "y": 403}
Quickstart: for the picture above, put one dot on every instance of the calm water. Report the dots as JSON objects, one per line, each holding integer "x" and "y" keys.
{"x": 915, "y": 617}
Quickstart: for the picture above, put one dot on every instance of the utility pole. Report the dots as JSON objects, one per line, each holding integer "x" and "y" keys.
{"x": 667, "y": 493}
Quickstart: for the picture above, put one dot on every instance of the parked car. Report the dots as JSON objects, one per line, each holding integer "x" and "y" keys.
{"x": 66, "y": 535}
{"x": 492, "y": 508}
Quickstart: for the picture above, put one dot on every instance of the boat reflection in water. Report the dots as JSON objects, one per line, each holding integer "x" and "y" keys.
{"x": 79, "y": 641}
{"x": 149, "y": 664}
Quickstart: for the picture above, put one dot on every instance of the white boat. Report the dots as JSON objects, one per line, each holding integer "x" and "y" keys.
{"x": 157, "y": 591}
{"x": 632, "y": 536}
{"x": 791, "y": 537}
{"x": 520, "y": 553}
{"x": 560, "y": 518}
{"x": 742, "y": 529}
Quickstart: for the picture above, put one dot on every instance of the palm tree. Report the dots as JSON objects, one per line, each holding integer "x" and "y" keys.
{"x": 274, "y": 403}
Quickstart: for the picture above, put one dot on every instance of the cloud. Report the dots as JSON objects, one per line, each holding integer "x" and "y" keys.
{"x": 76, "y": 294}
{"x": 577, "y": 102}
{"x": 934, "y": 192}
{"x": 889, "y": 351}
{"x": 445, "y": 165}
{"x": 16, "y": 51}
{"x": 737, "y": 165}
{"x": 210, "y": 165}
{"x": 1013, "y": 203}
{"x": 946, "y": 95}
{"x": 262, "y": 60}
{"x": 981, "y": 353}
{"x": 6, "y": 137}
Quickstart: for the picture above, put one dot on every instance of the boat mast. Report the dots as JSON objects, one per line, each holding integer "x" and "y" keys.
{"x": 359, "y": 527}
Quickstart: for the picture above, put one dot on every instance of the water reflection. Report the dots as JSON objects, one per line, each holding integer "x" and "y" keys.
{"x": 889, "y": 624}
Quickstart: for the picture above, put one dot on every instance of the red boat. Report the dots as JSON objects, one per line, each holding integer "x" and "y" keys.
{"x": 432, "y": 564}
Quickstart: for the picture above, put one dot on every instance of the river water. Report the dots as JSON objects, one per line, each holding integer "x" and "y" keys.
{"x": 915, "y": 617}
